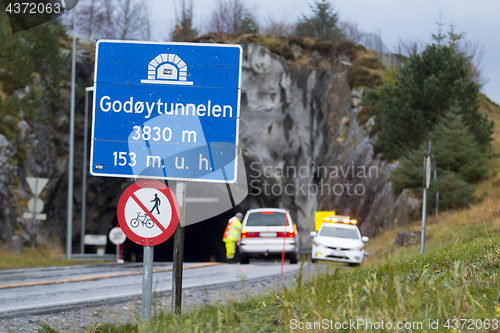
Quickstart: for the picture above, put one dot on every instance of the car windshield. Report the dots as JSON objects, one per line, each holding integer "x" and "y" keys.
{"x": 339, "y": 233}
{"x": 260, "y": 219}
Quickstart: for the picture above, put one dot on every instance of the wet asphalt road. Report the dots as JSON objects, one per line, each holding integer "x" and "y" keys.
{"x": 50, "y": 289}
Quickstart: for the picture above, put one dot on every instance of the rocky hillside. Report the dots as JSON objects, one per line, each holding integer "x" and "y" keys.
{"x": 302, "y": 144}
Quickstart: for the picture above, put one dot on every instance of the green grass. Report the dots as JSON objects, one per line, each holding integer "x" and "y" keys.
{"x": 36, "y": 258}
{"x": 101, "y": 328}
{"x": 460, "y": 281}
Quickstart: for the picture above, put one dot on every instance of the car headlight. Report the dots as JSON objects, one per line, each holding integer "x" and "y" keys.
{"x": 318, "y": 244}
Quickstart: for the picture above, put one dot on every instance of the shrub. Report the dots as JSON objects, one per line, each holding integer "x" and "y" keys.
{"x": 456, "y": 150}
{"x": 368, "y": 62}
{"x": 365, "y": 114}
{"x": 458, "y": 162}
{"x": 361, "y": 76}
{"x": 304, "y": 43}
{"x": 325, "y": 48}
{"x": 454, "y": 192}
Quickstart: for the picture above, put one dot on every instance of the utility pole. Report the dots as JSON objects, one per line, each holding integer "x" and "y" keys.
{"x": 69, "y": 233}
{"x": 84, "y": 169}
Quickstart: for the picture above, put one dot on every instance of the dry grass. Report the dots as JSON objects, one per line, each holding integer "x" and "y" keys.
{"x": 40, "y": 257}
{"x": 366, "y": 70}
{"x": 450, "y": 227}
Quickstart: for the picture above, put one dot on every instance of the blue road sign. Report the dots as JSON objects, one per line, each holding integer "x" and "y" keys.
{"x": 166, "y": 110}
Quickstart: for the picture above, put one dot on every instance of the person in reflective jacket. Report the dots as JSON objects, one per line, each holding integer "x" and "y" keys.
{"x": 232, "y": 236}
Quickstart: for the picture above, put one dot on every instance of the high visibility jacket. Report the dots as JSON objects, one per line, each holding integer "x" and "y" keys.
{"x": 232, "y": 233}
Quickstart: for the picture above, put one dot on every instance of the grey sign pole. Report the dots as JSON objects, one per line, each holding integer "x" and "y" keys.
{"x": 427, "y": 179}
{"x": 180, "y": 193}
{"x": 69, "y": 231}
{"x": 147, "y": 283}
{"x": 34, "y": 231}
{"x": 424, "y": 207}
{"x": 436, "y": 184}
{"x": 84, "y": 169}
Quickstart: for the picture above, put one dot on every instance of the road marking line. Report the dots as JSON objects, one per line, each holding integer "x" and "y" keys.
{"x": 98, "y": 277}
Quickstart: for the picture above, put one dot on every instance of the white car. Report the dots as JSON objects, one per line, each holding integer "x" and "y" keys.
{"x": 338, "y": 242}
{"x": 265, "y": 235}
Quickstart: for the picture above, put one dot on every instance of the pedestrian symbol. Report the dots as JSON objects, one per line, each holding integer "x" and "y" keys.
{"x": 157, "y": 202}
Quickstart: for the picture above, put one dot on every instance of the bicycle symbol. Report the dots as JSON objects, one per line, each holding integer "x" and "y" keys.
{"x": 144, "y": 220}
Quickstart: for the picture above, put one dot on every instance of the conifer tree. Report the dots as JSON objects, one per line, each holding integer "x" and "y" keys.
{"x": 428, "y": 85}
{"x": 456, "y": 150}
{"x": 322, "y": 24}
{"x": 249, "y": 25}
{"x": 459, "y": 162}
{"x": 184, "y": 29}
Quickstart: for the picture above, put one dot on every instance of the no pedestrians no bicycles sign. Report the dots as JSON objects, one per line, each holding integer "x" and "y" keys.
{"x": 148, "y": 212}
{"x": 166, "y": 111}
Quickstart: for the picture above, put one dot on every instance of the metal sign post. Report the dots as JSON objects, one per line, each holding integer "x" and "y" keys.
{"x": 427, "y": 174}
{"x": 69, "y": 217}
{"x": 117, "y": 237}
{"x": 33, "y": 230}
{"x": 436, "y": 184}
{"x": 84, "y": 169}
{"x": 148, "y": 214}
{"x": 180, "y": 193}
{"x": 35, "y": 205}
{"x": 147, "y": 283}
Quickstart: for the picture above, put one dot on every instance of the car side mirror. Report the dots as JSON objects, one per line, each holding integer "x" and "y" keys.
{"x": 313, "y": 233}
{"x": 365, "y": 239}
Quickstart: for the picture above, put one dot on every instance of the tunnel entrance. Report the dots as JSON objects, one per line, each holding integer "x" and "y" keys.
{"x": 202, "y": 243}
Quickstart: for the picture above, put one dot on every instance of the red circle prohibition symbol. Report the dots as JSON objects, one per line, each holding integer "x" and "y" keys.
{"x": 129, "y": 196}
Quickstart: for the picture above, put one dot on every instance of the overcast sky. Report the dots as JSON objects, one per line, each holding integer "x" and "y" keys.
{"x": 393, "y": 19}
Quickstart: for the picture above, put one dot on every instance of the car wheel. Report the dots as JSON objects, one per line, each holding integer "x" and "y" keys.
{"x": 354, "y": 264}
{"x": 244, "y": 259}
{"x": 293, "y": 258}
{"x": 314, "y": 261}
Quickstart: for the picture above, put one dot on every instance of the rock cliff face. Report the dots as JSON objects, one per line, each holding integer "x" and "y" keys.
{"x": 302, "y": 146}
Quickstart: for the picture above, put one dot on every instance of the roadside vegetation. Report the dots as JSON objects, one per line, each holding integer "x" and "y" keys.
{"x": 457, "y": 277}
{"x": 434, "y": 98}
{"x": 41, "y": 257}
{"x": 33, "y": 73}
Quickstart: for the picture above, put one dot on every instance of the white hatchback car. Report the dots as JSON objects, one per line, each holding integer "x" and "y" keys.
{"x": 338, "y": 242}
{"x": 264, "y": 234}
